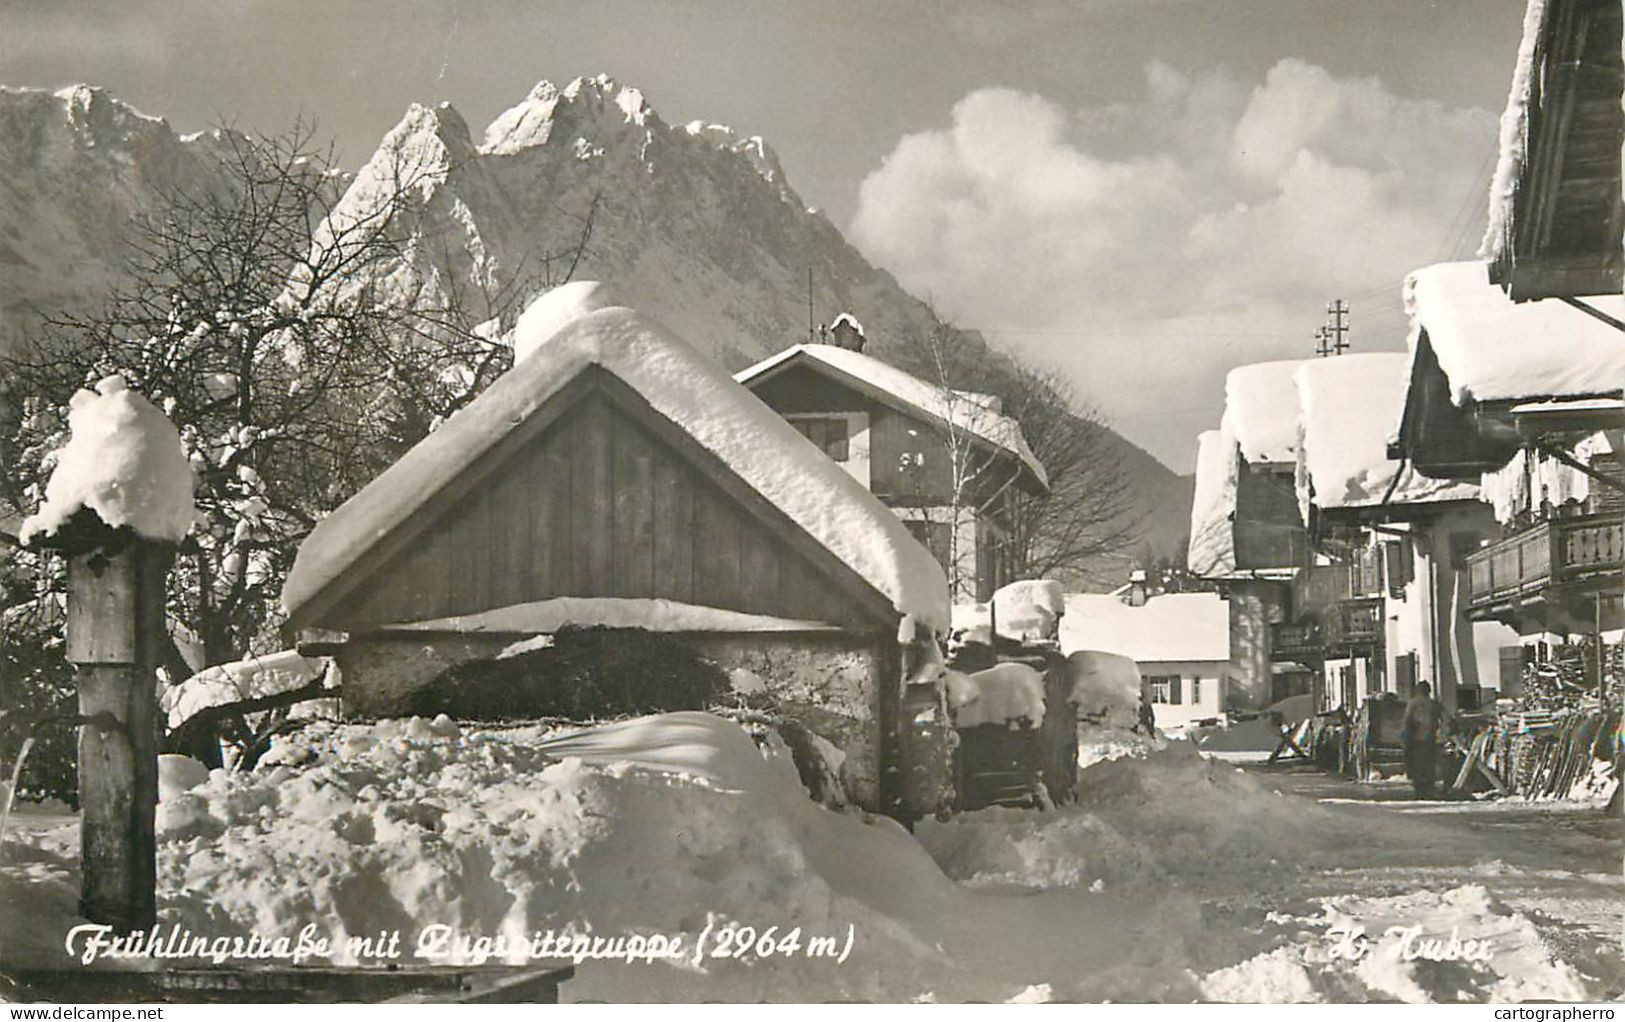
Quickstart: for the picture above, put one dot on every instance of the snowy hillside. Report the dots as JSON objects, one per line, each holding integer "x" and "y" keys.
{"x": 77, "y": 164}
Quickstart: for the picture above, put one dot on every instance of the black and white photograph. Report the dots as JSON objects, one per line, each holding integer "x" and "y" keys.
{"x": 811, "y": 501}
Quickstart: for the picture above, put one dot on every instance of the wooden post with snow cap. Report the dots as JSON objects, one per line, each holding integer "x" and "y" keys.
{"x": 118, "y": 501}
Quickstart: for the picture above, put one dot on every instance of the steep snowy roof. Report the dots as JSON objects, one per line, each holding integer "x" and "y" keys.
{"x": 761, "y": 448}
{"x": 1514, "y": 138}
{"x": 1261, "y": 408}
{"x": 1174, "y": 626}
{"x": 124, "y": 461}
{"x": 936, "y": 402}
{"x": 1349, "y": 405}
{"x": 1494, "y": 349}
{"x": 1212, "y": 551}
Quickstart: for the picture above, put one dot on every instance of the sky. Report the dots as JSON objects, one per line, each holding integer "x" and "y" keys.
{"x": 1141, "y": 193}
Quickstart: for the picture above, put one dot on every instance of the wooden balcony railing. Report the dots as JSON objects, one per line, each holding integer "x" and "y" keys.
{"x": 1355, "y": 622}
{"x": 1560, "y": 552}
{"x": 1295, "y": 641}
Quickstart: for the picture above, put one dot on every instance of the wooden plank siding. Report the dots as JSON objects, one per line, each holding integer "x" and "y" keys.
{"x": 600, "y": 504}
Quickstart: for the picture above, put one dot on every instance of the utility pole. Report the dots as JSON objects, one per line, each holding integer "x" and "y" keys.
{"x": 1338, "y": 311}
{"x": 1323, "y": 342}
{"x": 812, "y": 330}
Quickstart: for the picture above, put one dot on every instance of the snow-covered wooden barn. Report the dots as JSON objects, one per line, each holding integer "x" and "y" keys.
{"x": 617, "y": 479}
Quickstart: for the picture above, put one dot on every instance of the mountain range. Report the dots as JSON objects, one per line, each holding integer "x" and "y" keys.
{"x": 694, "y": 223}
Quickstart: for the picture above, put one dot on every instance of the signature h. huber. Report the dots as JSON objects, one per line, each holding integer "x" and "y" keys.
{"x": 1406, "y": 943}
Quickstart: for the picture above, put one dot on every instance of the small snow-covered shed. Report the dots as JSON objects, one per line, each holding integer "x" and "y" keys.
{"x": 617, "y": 479}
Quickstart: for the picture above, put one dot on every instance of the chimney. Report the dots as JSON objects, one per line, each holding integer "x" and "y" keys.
{"x": 1136, "y": 588}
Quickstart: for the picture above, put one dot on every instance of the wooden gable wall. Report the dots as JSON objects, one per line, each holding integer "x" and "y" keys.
{"x": 599, "y": 504}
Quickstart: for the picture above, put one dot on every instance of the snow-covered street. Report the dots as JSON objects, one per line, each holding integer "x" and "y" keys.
{"x": 1174, "y": 877}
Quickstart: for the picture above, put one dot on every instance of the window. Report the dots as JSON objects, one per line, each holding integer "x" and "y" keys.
{"x": 828, "y": 435}
{"x": 1196, "y": 691}
{"x": 1162, "y": 688}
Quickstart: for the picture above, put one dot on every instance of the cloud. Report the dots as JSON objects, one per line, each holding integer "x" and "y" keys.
{"x": 1148, "y": 246}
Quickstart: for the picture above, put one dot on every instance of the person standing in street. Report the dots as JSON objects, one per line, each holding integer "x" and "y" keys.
{"x": 1421, "y": 733}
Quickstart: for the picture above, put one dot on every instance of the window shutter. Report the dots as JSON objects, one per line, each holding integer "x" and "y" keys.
{"x": 1173, "y": 686}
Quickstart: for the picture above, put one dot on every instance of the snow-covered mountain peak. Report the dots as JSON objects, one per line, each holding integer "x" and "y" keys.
{"x": 90, "y": 114}
{"x": 588, "y": 107}
{"x": 423, "y": 148}
{"x": 753, "y": 148}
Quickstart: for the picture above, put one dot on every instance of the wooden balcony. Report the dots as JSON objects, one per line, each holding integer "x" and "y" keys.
{"x": 1571, "y": 554}
{"x": 1355, "y": 623}
{"x": 1301, "y": 642}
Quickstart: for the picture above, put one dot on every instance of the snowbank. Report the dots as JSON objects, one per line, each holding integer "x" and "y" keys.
{"x": 1028, "y": 610}
{"x": 1423, "y": 947}
{"x": 1007, "y": 694}
{"x": 673, "y": 825}
{"x": 1173, "y": 626}
{"x": 1261, "y": 410}
{"x": 1138, "y": 820}
{"x": 940, "y": 403}
{"x": 1349, "y": 406}
{"x": 125, "y": 462}
{"x": 1494, "y": 349}
{"x": 1212, "y": 549}
{"x": 681, "y": 384}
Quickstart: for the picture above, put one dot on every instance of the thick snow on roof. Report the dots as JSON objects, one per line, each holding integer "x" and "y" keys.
{"x": 1261, "y": 408}
{"x": 1212, "y": 550}
{"x": 1349, "y": 406}
{"x": 1027, "y": 610}
{"x": 754, "y": 442}
{"x": 1494, "y": 349}
{"x": 940, "y": 403}
{"x": 1174, "y": 626}
{"x": 1514, "y": 137}
{"x": 124, "y": 461}
{"x": 1005, "y": 695}
{"x": 242, "y": 679}
{"x": 850, "y": 320}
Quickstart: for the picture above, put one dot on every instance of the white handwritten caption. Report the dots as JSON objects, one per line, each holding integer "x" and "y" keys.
{"x": 439, "y": 942}
{"x": 1406, "y": 943}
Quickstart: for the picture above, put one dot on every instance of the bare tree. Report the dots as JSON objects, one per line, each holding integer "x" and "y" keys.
{"x": 1088, "y": 509}
{"x": 255, "y": 317}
